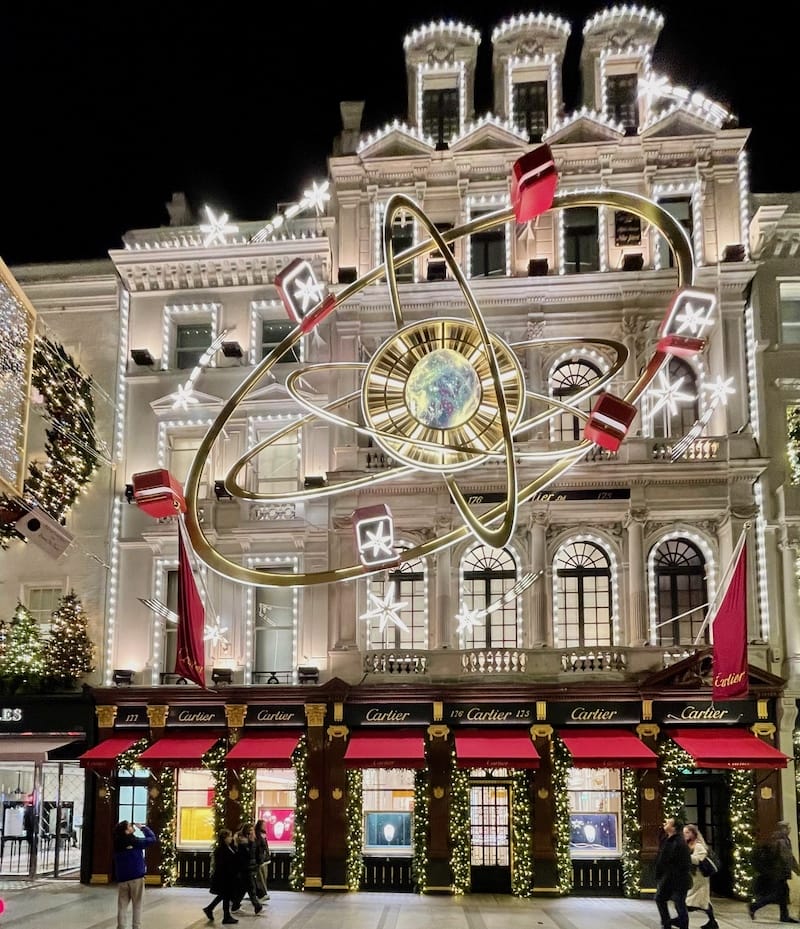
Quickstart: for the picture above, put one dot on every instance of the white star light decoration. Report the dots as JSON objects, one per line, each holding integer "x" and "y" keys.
{"x": 217, "y": 228}
{"x": 316, "y": 197}
{"x": 379, "y": 541}
{"x": 468, "y": 619}
{"x": 694, "y": 318}
{"x": 215, "y": 633}
{"x": 385, "y": 609}
{"x": 309, "y": 292}
{"x": 668, "y": 394}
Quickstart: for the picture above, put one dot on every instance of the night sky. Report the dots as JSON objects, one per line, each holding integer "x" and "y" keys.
{"x": 110, "y": 108}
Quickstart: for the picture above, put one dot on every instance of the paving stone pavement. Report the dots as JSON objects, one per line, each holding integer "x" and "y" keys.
{"x": 66, "y": 905}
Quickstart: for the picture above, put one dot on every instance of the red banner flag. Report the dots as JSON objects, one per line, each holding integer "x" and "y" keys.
{"x": 729, "y": 627}
{"x": 190, "y": 658}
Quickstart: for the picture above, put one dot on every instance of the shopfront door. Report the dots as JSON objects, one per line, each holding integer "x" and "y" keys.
{"x": 707, "y": 803}
{"x": 490, "y": 836}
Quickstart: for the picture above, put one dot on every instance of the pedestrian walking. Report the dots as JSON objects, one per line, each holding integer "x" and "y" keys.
{"x": 673, "y": 872}
{"x": 248, "y": 868}
{"x": 699, "y": 896}
{"x": 262, "y": 857}
{"x": 224, "y": 880}
{"x": 129, "y": 869}
{"x": 775, "y": 864}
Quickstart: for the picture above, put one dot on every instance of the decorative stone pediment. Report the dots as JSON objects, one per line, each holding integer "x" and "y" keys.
{"x": 586, "y": 127}
{"x": 678, "y": 121}
{"x": 396, "y": 142}
{"x": 488, "y": 136}
{"x": 166, "y": 404}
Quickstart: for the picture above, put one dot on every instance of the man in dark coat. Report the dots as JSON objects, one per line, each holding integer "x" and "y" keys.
{"x": 772, "y": 884}
{"x": 673, "y": 875}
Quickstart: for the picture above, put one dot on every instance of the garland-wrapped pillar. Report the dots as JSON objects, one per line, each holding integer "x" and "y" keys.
{"x": 421, "y": 826}
{"x": 355, "y": 829}
{"x": 742, "y": 827}
{"x": 521, "y": 834}
{"x": 562, "y": 761}
{"x": 631, "y": 834}
{"x": 459, "y": 827}
{"x": 298, "y": 877}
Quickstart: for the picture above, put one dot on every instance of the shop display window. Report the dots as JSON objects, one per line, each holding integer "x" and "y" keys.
{"x": 595, "y": 803}
{"x": 388, "y": 805}
{"x": 132, "y": 784}
{"x": 195, "y": 814}
{"x": 275, "y": 804}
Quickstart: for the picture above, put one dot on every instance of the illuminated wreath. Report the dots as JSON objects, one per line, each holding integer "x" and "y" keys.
{"x": 68, "y": 404}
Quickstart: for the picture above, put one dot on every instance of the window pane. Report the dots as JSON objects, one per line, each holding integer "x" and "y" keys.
{"x": 277, "y": 464}
{"x": 530, "y": 108}
{"x": 581, "y": 243}
{"x": 275, "y": 804}
{"x": 790, "y": 311}
{"x": 195, "y": 816}
{"x": 622, "y": 92}
{"x": 440, "y": 114}
{"x": 273, "y": 332}
{"x": 191, "y": 341}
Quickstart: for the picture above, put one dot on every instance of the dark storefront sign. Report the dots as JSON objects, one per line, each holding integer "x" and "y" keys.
{"x": 131, "y": 717}
{"x": 588, "y": 713}
{"x": 389, "y": 714}
{"x": 477, "y": 498}
{"x": 203, "y": 716}
{"x": 65, "y": 713}
{"x": 265, "y": 715}
{"x": 705, "y": 713}
{"x": 489, "y": 714}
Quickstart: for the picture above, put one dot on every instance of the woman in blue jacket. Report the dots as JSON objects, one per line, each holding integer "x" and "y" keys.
{"x": 129, "y": 870}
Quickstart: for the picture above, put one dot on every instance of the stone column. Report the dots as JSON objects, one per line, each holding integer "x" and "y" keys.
{"x": 790, "y": 553}
{"x": 315, "y": 819}
{"x": 533, "y": 362}
{"x": 541, "y": 632}
{"x": 444, "y": 602}
{"x": 637, "y": 625}
{"x": 439, "y": 874}
{"x": 234, "y": 714}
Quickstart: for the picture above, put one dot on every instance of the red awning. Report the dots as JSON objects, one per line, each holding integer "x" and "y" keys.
{"x": 105, "y": 753}
{"x": 387, "y": 748}
{"x": 178, "y": 749}
{"x": 265, "y": 749}
{"x": 607, "y": 748}
{"x": 495, "y": 748}
{"x": 728, "y": 748}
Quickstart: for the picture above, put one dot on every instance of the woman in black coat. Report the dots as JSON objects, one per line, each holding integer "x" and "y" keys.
{"x": 224, "y": 880}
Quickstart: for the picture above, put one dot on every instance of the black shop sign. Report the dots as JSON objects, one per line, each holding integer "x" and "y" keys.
{"x": 480, "y": 498}
{"x": 131, "y": 717}
{"x": 705, "y": 713}
{"x": 196, "y": 716}
{"x": 489, "y": 714}
{"x": 592, "y": 713}
{"x": 389, "y": 714}
{"x": 267, "y": 715}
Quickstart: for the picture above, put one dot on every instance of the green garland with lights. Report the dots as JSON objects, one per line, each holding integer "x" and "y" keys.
{"x": 459, "y": 827}
{"x": 793, "y": 442}
{"x": 70, "y": 447}
{"x": 674, "y": 761}
{"x": 742, "y": 816}
{"x": 421, "y": 822}
{"x": 521, "y": 834}
{"x": 126, "y": 761}
{"x": 213, "y": 761}
{"x": 355, "y": 832}
{"x": 167, "y": 790}
{"x": 247, "y": 794}
{"x": 631, "y": 835}
{"x": 297, "y": 867}
{"x": 562, "y": 762}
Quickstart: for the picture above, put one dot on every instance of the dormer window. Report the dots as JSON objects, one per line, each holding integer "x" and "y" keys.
{"x": 530, "y": 108}
{"x": 440, "y": 116}
{"x": 622, "y": 99}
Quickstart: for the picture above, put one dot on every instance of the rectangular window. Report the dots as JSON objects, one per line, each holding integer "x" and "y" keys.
{"x": 402, "y": 239}
{"x": 680, "y": 209}
{"x": 530, "y": 108}
{"x": 42, "y": 602}
{"x": 182, "y": 448}
{"x": 488, "y": 252}
{"x": 169, "y": 639}
{"x": 273, "y": 649}
{"x": 132, "y": 803}
{"x": 388, "y": 803}
{"x": 191, "y": 342}
{"x": 273, "y": 332}
{"x": 277, "y": 464}
{"x": 595, "y": 804}
{"x": 276, "y": 790}
{"x": 194, "y": 809}
{"x": 581, "y": 243}
{"x": 622, "y": 93}
{"x": 789, "y": 297}
{"x": 440, "y": 115}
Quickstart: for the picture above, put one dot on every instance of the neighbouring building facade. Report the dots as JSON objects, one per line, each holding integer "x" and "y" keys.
{"x": 433, "y": 725}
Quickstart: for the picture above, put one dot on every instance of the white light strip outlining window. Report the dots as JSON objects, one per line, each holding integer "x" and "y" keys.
{"x": 761, "y": 561}
{"x": 116, "y": 515}
{"x": 753, "y": 398}
{"x": 269, "y": 562}
{"x": 460, "y": 73}
{"x": 202, "y": 311}
{"x": 744, "y": 202}
{"x": 710, "y": 566}
{"x": 163, "y": 565}
{"x": 540, "y": 62}
{"x": 462, "y": 590}
{"x": 608, "y": 551}
{"x": 260, "y": 311}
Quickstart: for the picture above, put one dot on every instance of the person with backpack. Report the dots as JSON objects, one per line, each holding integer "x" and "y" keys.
{"x": 775, "y": 864}
{"x": 699, "y": 896}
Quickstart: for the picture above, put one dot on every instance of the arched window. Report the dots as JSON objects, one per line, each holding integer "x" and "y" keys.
{"x": 583, "y": 573}
{"x": 680, "y": 580}
{"x": 403, "y": 585}
{"x": 567, "y": 379}
{"x": 487, "y": 575}
{"x": 673, "y": 403}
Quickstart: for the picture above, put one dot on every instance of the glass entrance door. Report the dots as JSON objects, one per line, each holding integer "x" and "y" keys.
{"x": 490, "y": 836}
{"x": 60, "y": 819}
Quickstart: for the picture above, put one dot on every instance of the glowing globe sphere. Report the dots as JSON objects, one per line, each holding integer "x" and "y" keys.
{"x": 443, "y": 390}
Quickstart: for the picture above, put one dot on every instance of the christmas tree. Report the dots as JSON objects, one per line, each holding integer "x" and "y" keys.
{"x": 23, "y": 656}
{"x": 69, "y": 649}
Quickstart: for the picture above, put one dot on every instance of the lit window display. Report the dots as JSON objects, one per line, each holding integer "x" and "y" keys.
{"x": 132, "y": 785}
{"x": 595, "y": 802}
{"x": 275, "y": 804}
{"x": 195, "y": 808}
{"x": 388, "y": 804}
